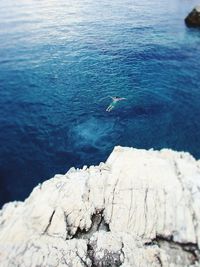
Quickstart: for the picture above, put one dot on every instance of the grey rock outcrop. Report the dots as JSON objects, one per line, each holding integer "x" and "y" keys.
{"x": 193, "y": 19}
{"x": 140, "y": 208}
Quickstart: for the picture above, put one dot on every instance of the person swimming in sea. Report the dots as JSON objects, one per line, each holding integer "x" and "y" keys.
{"x": 115, "y": 100}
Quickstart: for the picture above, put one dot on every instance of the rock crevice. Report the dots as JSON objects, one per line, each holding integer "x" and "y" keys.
{"x": 181, "y": 253}
{"x": 98, "y": 223}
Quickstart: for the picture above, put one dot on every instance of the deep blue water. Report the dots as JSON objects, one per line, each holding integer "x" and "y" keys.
{"x": 59, "y": 60}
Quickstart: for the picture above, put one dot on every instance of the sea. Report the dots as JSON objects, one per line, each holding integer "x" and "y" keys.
{"x": 61, "y": 60}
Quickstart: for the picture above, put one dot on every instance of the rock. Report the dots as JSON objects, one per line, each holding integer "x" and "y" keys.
{"x": 140, "y": 208}
{"x": 193, "y": 19}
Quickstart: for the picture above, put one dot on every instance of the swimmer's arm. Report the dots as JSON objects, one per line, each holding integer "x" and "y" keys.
{"x": 105, "y": 98}
{"x": 111, "y": 97}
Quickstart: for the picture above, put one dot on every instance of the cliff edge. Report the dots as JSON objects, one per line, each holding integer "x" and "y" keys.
{"x": 140, "y": 208}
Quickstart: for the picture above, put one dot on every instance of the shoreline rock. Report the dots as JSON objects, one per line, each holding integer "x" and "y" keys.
{"x": 193, "y": 19}
{"x": 140, "y": 208}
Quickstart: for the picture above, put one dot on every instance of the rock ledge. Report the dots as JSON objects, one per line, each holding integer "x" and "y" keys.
{"x": 140, "y": 208}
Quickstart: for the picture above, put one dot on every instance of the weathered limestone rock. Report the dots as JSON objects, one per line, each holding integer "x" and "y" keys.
{"x": 193, "y": 19}
{"x": 140, "y": 208}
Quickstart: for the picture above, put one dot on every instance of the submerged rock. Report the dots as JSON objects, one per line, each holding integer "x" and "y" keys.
{"x": 140, "y": 208}
{"x": 193, "y": 19}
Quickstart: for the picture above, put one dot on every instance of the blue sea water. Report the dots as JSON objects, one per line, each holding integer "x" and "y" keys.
{"x": 59, "y": 60}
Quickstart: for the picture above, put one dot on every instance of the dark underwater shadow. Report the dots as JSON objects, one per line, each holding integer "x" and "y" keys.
{"x": 155, "y": 109}
{"x": 5, "y": 195}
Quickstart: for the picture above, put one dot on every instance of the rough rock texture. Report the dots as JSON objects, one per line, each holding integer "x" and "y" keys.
{"x": 193, "y": 19}
{"x": 140, "y": 208}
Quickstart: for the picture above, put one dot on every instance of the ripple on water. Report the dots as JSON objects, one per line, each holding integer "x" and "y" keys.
{"x": 94, "y": 134}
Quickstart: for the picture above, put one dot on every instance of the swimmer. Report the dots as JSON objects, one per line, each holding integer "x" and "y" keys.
{"x": 115, "y": 99}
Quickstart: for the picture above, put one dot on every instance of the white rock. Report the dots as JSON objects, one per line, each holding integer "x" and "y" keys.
{"x": 140, "y": 208}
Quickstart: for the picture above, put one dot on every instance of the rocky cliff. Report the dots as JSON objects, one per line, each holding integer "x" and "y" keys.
{"x": 140, "y": 208}
{"x": 193, "y": 18}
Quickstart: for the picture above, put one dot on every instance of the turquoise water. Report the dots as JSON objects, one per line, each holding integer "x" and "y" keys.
{"x": 59, "y": 60}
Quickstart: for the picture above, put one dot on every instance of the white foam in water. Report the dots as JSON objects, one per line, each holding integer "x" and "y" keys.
{"x": 93, "y": 132}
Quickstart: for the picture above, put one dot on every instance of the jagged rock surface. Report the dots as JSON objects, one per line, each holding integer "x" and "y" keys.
{"x": 193, "y": 19}
{"x": 140, "y": 208}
